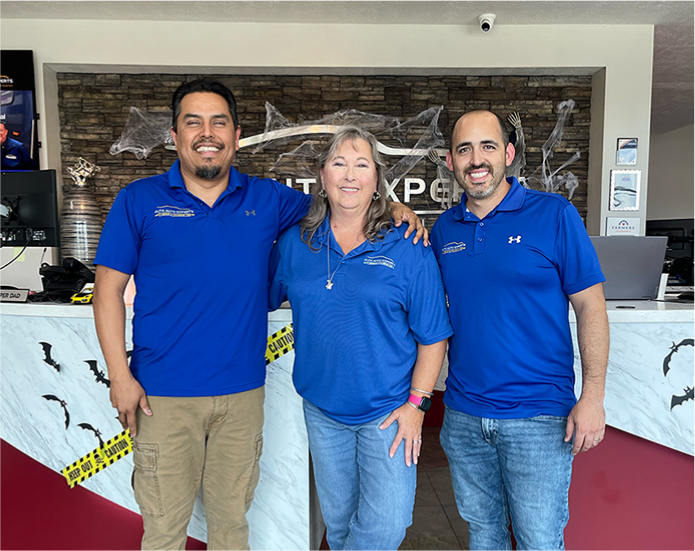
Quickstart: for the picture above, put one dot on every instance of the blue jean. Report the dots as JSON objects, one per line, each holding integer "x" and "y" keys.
{"x": 502, "y": 468}
{"x": 366, "y": 496}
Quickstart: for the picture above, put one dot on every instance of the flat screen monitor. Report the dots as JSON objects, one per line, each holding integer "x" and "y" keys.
{"x": 679, "y": 251}
{"x": 29, "y": 209}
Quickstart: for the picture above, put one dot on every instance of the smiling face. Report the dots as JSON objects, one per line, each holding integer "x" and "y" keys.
{"x": 350, "y": 177}
{"x": 3, "y": 132}
{"x": 206, "y": 139}
{"x": 478, "y": 157}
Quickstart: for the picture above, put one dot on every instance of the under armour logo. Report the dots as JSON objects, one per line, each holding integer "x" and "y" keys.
{"x": 250, "y": 213}
{"x": 516, "y": 239}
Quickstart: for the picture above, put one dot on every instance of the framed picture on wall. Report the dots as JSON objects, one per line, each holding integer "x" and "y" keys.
{"x": 627, "y": 152}
{"x": 624, "y": 194}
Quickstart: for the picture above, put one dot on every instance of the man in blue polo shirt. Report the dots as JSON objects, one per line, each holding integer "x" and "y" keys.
{"x": 198, "y": 240}
{"x": 14, "y": 154}
{"x": 510, "y": 259}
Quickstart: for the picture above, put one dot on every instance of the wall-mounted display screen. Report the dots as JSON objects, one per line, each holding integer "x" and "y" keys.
{"x": 18, "y": 111}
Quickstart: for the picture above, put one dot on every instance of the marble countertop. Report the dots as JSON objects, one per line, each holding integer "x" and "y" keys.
{"x": 54, "y": 310}
{"x": 646, "y": 311}
{"x": 619, "y": 311}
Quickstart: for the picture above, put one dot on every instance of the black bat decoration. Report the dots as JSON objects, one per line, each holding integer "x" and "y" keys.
{"x": 97, "y": 432}
{"x": 667, "y": 359}
{"x": 674, "y": 349}
{"x": 63, "y": 404}
{"x": 678, "y": 400}
{"x": 47, "y": 353}
{"x": 98, "y": 373}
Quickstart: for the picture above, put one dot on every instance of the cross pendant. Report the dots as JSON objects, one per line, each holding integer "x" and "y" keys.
{"x": 329, "y": 284}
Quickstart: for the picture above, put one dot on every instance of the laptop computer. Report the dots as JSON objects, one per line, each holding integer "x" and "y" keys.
{"x": 632, "y": 265}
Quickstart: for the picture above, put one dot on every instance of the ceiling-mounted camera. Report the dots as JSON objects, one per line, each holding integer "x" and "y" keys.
{"x": 487, "y": 20}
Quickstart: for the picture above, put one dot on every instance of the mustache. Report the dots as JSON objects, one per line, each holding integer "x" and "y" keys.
{"x": 486, "y": 166}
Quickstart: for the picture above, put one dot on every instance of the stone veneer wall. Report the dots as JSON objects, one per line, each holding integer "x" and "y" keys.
{"x": 94, "y": 109}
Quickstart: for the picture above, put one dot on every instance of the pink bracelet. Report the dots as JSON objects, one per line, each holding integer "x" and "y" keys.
{"x": 417, "y": 400}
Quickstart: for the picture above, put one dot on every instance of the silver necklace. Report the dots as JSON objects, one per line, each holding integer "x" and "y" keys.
{"x": 329, "y": 281}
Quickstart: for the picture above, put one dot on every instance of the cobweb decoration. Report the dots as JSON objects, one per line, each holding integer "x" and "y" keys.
{"x": 548, "y": 178}
{"x": 451, "y": 190}
{"x": 143, "y": 132}
{"x": 411, "y": 139}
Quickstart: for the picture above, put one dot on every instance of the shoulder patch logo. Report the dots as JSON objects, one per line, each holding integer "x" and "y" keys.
{"x": 174, "y": 212}
{"x": 453, "y": 247}
{"x": 380, "y": 261}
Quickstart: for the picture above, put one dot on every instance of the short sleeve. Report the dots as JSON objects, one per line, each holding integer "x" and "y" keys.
{"x": 428, "y": 317}
{"x": 119, "y": 244}
{"x": 575, "y": 255}
{"x": 293, "y": 206}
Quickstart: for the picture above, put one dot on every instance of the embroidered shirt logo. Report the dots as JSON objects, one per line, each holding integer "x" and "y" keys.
{"x": 174, "y": 212}
{"x": 516, "y": 239}
{"x": 380, "y": 261}
{"x": 453, "y": 247}
{"x": 250, "y": 213}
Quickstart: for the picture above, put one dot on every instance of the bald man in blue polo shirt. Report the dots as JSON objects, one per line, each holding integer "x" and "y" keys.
{"x": 197, "y": 240}
{"x": 511, "y": 260}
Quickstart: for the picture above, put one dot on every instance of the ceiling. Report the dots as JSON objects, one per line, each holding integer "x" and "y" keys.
{"x": 672, "y": 88}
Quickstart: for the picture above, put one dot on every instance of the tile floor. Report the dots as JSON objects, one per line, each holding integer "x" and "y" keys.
{"x": 436, "y": 522}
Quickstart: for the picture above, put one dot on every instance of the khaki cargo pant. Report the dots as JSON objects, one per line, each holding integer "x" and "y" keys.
{"x": 215, "y": 441}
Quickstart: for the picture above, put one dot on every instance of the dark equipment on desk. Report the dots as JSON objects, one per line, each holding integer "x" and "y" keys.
{"x": 61, "y": 282}
{"x": 679, "y": 250}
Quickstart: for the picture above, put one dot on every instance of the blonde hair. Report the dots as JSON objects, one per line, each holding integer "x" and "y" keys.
{"x": 378, "y": 215}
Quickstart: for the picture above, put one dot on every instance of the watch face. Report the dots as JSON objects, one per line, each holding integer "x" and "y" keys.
{"x": 425, "y": 403}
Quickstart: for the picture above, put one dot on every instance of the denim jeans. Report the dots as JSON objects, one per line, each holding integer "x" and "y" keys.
{"x": 502, "y": 468}
{"x": 366, "y": 496}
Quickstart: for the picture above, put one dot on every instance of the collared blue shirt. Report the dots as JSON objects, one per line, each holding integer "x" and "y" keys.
{"x": 15, "y": 156}
{"x": 508, "y": 277}
{"x": 200, "y": 311}
{"x": 356, "y": 344}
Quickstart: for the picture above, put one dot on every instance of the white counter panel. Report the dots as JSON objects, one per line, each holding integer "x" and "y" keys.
{"x": 638, "y": 394}
{"x": 279, "y": 517}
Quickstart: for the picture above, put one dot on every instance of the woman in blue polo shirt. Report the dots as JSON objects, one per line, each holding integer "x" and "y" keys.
{"x": 370, "y": 325}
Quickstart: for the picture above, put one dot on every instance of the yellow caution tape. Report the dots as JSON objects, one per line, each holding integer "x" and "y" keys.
{"x": 279, "y": 344}
{"x": 100, "y": 458}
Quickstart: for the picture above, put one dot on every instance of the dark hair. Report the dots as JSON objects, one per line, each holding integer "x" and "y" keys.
{"x": 500, "y": 120}
{"x": 202, "y": 85}
{"x": 378, "y": 216}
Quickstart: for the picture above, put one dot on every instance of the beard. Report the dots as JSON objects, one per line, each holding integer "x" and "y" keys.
{"x": 480, "y": 192}
{"x": 208, "y": 172}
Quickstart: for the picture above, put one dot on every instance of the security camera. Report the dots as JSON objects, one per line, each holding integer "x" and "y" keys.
{"x": 487, "y": 20}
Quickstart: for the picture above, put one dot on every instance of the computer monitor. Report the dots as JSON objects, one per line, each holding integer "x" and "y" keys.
{"x": 30, "y": 228}
{"x": 679, "y": 250}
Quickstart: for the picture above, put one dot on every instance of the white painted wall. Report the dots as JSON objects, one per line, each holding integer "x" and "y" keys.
{"x": 622, "y": 52}
{"x": 671, "y": 177}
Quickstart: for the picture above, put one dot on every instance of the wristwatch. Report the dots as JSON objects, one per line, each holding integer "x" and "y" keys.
{"x": 423, "y": 403}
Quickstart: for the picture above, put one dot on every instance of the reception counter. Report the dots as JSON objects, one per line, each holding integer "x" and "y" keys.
{"x": 649, "y": 373}
{"x": 280, "y": 515}
{"x": 649, "y": 382}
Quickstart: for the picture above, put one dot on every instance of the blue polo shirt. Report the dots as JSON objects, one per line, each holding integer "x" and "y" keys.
{"x": 200, "y": 312}
{"x": 508, "y": 277}
{"x": 15, "y": 156}
{"x": 356, "y": 344}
